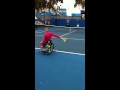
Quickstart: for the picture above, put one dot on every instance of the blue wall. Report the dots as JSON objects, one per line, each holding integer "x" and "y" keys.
{"x": 53, "y": 21}
{"x": 62, "y": 22}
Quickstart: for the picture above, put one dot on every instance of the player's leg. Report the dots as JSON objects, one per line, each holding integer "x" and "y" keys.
{"x": 41, "y": 44}
{"x": 42, "y": 47}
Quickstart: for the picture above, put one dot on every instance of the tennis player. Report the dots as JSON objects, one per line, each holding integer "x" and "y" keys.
{"x": 77, "y": 25}
{"x": 47, "y": 37}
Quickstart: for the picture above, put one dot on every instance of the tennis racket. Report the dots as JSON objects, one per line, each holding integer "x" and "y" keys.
{"x": 65, "y": 39}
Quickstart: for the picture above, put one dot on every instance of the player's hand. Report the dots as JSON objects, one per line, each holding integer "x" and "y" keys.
{"x": 61, "y": 37}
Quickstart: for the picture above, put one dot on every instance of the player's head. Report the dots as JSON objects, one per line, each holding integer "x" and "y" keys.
{"x": 46, "y": 30}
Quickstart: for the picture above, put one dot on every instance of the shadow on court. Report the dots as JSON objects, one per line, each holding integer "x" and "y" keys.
{"x": 59, "y": 71}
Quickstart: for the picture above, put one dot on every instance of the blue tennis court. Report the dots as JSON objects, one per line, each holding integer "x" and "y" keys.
{"x": 64, "y": 69}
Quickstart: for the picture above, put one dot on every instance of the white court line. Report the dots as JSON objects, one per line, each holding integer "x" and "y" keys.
{"x": 39, "y": 35}
{"x": 44, "y": 31}
{"x": 68, "y": 33}
{"x": 55, "y": 26}
{"x": 68, "y": 38}
{"x": 67, "y": 52}
{"x": 76, "y": 39}
{"x": 39, "y": 32}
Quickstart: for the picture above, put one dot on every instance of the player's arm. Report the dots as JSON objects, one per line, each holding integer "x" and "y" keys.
{"x": 54, "y": 35}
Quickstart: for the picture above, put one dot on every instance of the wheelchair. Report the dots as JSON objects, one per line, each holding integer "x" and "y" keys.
{"x": 48, "y": 48}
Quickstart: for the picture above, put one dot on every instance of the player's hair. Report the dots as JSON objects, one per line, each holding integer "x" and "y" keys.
{"x": 46, "y": 29}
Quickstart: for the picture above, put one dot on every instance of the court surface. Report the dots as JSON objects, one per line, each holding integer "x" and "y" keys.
{"x": 64, "y": 69}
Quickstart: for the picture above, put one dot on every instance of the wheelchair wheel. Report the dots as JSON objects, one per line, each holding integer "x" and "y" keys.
{"x": 49, "y": 49}
{"x": 52, "y": 45}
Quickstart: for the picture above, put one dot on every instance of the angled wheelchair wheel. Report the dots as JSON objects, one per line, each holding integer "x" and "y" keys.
{"x": 52, "y": 45}
{"x": 48, "y": 49}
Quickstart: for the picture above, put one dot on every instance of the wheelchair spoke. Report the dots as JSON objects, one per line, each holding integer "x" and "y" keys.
{"x": 48, "y": 48}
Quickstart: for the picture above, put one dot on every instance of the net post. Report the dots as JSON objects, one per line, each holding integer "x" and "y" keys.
{"x": 70, "y": 29}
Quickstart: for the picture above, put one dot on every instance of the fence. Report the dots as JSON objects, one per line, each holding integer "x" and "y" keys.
{"x": 61, "y": 17}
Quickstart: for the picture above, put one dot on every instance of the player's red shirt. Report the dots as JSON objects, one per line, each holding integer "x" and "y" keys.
{"x": 47, "y": 37}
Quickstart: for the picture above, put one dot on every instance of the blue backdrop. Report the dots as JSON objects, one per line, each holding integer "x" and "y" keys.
{"x": 62, "y": 22}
